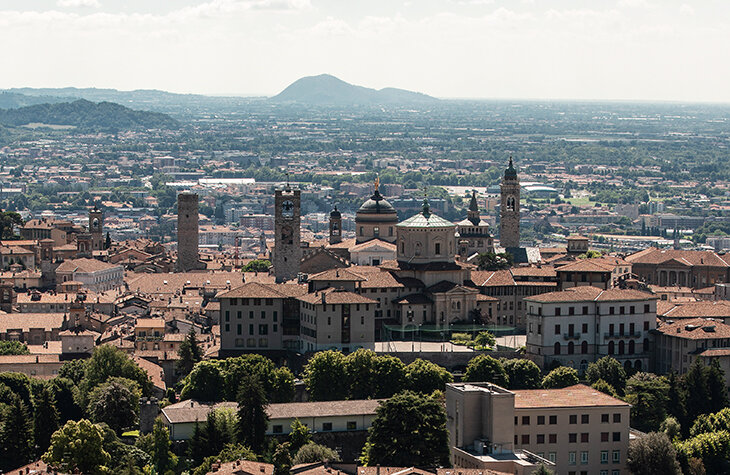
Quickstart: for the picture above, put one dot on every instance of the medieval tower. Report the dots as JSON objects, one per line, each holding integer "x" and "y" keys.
{"x": 335, "y": 226}
{"x": 509, "y": 218}
{"x": 287, "y": 248}
{"x": 96, "y": 229}
{"x": 187, "y": 232}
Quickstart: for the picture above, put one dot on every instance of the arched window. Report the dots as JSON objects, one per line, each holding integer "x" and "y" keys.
{"x": 584, "y": 347}
{"x": 510, "y": 203}
{"x": 611, "y": 347}
{"x": 621, "y": 347}
{"x": 627, "y": 366}
{"x": 458, "y": 305}
{"x": 571, "y": 348}
{"x": 556, "y": 350}
{"x": 631, "y": 347}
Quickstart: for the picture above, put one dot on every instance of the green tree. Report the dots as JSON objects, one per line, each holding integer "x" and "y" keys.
{"x": 313, "y": 453}
{"x": 73, "y": 370}
{"x": 78, "y": 446}
{"x": 560, "y": 377}
{"x": 492, "y": 261}
{"x": 189, "y": 353}
{"x": 604, "y": 387}
{"x": 425, "y": 377}
{"x": 116, "y": 403}
{"x": 45, "y": 418}
{"x": 282, "y": 459}
{"x": 108, "y": 241}
{"x": 257, "y": 265}
{"x": 204, "y": 382}
{"x": 711, "y": 422}
{"x": 647, "y": 394}
{"x": 712, "y": 448}
{"x": 388, "y": 377}
{"x": 8, "y": 221}
{"x": 9, "y": 347}
{"x": 485, "y": 340}
{"x": 653, "y": 454}
{"x": 609, "y": 370}
{"x": 676, "y": 398}
{"x": 409, "y": 429}
{"x": 522, "y": 373}
{"x": 162, "y": 458}
{"x": 18, "y": 384}
{"x": 298, "y": 436}
{"x": 16, "y": 435}
{"x": 484, "y": 368}
{"x": 252, "y": 416}
{"x": 198, "y": 444}
{"x": 107, "y": 362}
{"x": 671, "y": 427}
{"x": 325, "y": 376}
{"x": 696, "y": 391}
{"x": 716, "y": 386}
{"x": 64, "y": 393}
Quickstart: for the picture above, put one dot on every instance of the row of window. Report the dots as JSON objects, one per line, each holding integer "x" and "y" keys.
{"x": 572, "y": 419}
{"x": 585, "y": 310}
{"x": 585, "y": 457}
{"x": 263, "y": 329}
{"x": 239, "y": 315}
{"x": 252, "y": 342}
{"x": 326, "y": 427}
{"x": 572, "y": 438}
{"x": 247, "y": 301}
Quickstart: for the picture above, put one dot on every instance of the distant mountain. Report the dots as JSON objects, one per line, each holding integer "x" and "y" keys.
{"x": 87, "y": 115}
{"x": 326, "y": 89}
{"x": 12, "y": 100}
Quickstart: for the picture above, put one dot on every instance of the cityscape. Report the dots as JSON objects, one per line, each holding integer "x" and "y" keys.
{"x": 344, "y": 279}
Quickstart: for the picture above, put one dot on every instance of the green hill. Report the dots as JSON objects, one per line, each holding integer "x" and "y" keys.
{"x": 84, "y": 114}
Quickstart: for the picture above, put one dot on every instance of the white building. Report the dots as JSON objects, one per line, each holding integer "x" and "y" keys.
{"x": 580, "y": 325}
{"x": 93, "y": 274}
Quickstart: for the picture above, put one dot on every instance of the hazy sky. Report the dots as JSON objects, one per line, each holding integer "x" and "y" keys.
{"x": 591, "y": 49}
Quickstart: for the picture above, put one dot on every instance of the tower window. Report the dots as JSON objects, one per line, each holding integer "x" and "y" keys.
{"x": 438, "y": 248}
{"x": 376, "y": 231}
{"x": 510, "y": 203}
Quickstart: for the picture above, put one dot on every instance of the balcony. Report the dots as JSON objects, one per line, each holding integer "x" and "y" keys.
{"x": 571, "y": 336}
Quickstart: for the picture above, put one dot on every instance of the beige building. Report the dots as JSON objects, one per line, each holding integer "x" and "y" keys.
{"x": 677, "y": 343}
{"x": 578, "y": 429}
{"x": 93, "y": 274}
{"x": 324, "y": 416}
{"x": 580, "y": 325}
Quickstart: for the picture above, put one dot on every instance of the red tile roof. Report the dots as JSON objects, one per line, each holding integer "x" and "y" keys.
{"x": 579, "y": 395}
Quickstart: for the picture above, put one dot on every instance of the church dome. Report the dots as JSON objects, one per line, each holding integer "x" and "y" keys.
{"x": 376, "y": 205}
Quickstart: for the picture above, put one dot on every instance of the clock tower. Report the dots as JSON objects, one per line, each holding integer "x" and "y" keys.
{"x": 287, "y": 246}
{"x": 509, "y": 218}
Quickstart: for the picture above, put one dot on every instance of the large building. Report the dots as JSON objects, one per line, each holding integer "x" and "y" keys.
{"x": 664, "y": 267}
{"x": 376, "y": 219}
{"x": 580, "y": 325}
{"x": 472, "y": 236}
{"x": 576, "y": 430}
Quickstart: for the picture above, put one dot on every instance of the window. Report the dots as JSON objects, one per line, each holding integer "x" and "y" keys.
{"x": 584, "y": 328}
{"x": 553, "y": 438}
{"x": 603, "y": 472}
{"x": 552, "y": 456}
{"x": 611, "y": 310}
{"x": 617, "y": 417}
{"x": 571, "y": 310}
{"x": 604, "y": 456}
{"x": 572, "y": 438}
{"x": 228, "y": 316}
{"x": 617, "y": 436}
{"x": 250, "y": 314}
{"x": 525, "y": 420}
{"x": 584, "y": 458}
{"x": 604, "y": 436}
{"x": 646, "y": 308}
{"x": 584, "y": 438}
{"x": 326, "y": 426}
{"x": 615, "y": 472}
{"x": 585, "y": 310}
{"x": 541, "y": 420}
{"x": 276, "y": 316}
{"x": 438, "y": 248}
{"x": 351, "y": 425}
{"x": 584, "y": 418}
{"x": 646, "y": 326}
{"x": 604, "y": 417}
{"x": 525, "y": 439}
{"x": 557, "y": 314}
{"x": 616, "y": 456}
{"x": 238, "y": 329}
{"x": 516, "y": 420}
{"x": 573, "y": 418}
{"x": 553, "y": 420}
{"x": 263, "y": 329}
{"x": 571, "y": 458}
{"x": 263, "y": 315}
{"x": 277, "y": 429}
{"x": 540, "y": 438}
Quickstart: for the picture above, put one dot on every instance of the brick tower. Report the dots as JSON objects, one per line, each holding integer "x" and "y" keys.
{"x": 96, "y": 229}
{"x": 187, "y": 232}
{"x": 509, "y": 221}
{"x": 287, "y": 248}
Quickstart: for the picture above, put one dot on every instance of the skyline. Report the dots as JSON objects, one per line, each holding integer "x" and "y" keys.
{"x": 623, "y": 50}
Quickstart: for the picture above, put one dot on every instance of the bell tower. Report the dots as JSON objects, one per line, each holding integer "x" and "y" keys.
{"x": 509, "y": 218}
{"x": 335, "y": 226}
{"x": 287, "y": 246}
{"x": 96, "y": 229}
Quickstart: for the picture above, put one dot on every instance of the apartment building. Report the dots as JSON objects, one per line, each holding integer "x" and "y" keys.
{"x": 576, "y": 430}
{"x": 257, "y": 317}
{"x": 580, "y": 325}
{"x": 677, "y": 343}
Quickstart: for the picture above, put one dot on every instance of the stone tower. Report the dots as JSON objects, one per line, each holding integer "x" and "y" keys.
{"x": 509, "y": 220}
{"x": 96, "y": 229}
{"x": 187, "y": 232}
{"x": 84, "y": 244}
{"x": 335, "y": 226}
{"x": 287, "y": 248}
{"x": 473, "y": 214}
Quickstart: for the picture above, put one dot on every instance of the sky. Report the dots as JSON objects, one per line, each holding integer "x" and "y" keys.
{"x": 669, "y": 50}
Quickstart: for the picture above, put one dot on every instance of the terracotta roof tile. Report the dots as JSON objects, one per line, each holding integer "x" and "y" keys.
{"x": 335, "y": 296}
{"x": 695, "y": 329}
{"x": 719, "y": 308}
{"x": 579, "y": 395}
